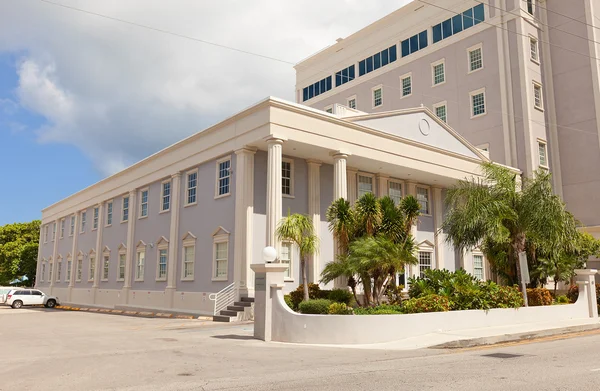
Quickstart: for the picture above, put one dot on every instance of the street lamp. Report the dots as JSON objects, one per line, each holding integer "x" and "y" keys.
{"x": 269, "y": 254}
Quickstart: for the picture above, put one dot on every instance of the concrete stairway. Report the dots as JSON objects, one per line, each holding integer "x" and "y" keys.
{"x": 236, "y": 312}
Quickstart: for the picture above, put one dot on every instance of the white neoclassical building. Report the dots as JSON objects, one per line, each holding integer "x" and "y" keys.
{"x": 189, "y": 220}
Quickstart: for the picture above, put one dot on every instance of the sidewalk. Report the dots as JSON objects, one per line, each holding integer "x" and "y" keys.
{"x": 481, "y": 337}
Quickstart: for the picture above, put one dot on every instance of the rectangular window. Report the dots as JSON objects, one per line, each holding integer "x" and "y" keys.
{"x": 58, "y": 270}
{"x": 144, "y": 203}
{"x": 223, "y": 177}
{"x": 530, "y": 7}
{"x": 139, "y": 265}
{"x": 414, "y": 43}
{"x": 121, "y": 267}
{"x": 406, "y": 82}
{"x": 287, "y": 178}
{"x": 285, "y": 256}
{"x": 437, "y": 33}
{"x": 162, "y": 264}
{"x": 395, "y": 191}
{"x": 188, "y": 262}
{"x": 537, "y": 96}
{"x": 125, "y": 216}
{"x": 439, "y": 74}
{"x": 72, "y": 228}
{"x": 92, "y": 270}
{"x": 377, "y": 97}
{"x": 543, "y": 154}
{"x": 441, "y": 111}
{"x": 477, "y": 103}
{"x": 43, "y": 271}
{"x": 69, "y": 268}
{"x": 50, "y": 272}
{"x": 424, "y": 262}
{"x": 83, "y": 221}
{"x": 79, "y": 269}
{"x": 344, "y": 76}
{"x": 105, "y": 266}
{"x": 45, "y": 233}
{"x": 423, "y": 198}
{"x": 352, "y": 103}
{"x": 95, "y": 220}
{"x": 475, "y": 59}
{"x": 53, "y": 231}
{"x": 165, "y": 204}
{"x": 365, "y": 185}
{"x": 317, "y": 88}
{"x": 221, "y": 257}
{"x": 62, "y": 228}
{"x": 468, "y": 21}
{"x": 377, "y": 60}
{"x": 478, "y": 266}
{"x": 458, "y": 23}
{"x": 109, "y": 213}
{"x": 533, "y": 48}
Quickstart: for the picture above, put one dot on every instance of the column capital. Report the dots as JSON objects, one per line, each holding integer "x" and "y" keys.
{"x": 274, "y": 140}
{"x": 339, "y": 155}
{"x": 382, "y": 176}
{"x": 176, "y": 175}
{"x": 351, "y": 169}
{"x": 314, "y": 162}
{"x": 246, "y": 150}
{"x": 132, "y": 192}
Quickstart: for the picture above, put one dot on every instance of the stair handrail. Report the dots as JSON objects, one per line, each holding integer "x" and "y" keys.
{"x": 223, "y": 298}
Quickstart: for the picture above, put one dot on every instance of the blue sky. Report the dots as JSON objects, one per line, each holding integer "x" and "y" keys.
{"x": 82, "y": 97}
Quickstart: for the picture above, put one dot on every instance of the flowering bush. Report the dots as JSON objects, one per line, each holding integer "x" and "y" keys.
{"x": 429, "y": 303}
{"x": 539, "y": 296}
{"x": 339, "y": 309}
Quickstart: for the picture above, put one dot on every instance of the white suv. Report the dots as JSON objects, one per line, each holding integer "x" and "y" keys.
{"x": 17, "y": 298}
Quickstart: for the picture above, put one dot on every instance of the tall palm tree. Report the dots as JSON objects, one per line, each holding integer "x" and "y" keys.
{"x": 299, "y": 229}
{"x": 496, "y": 213}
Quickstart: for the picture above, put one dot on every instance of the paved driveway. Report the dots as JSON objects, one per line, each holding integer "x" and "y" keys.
{"x": 62, "y": 350}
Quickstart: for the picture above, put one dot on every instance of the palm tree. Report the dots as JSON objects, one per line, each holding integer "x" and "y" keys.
{"x": 497, "y": 214}
{"x": 299, "y": 229}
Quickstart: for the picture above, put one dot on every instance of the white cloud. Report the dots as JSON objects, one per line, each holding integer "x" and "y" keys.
{"x": 121, "y": 92}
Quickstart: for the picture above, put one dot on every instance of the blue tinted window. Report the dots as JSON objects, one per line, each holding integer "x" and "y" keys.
{"x": 437, "y": 33}
{"x": 328, "y": 82}
{"x": 479, "y": 13}
{"x": 344, "y": 75}
{"x": 405, "y": 48}
{"x": 305, "y": 93}
{"x": 317, "y": 88}
{"x": 414, "y": 43}
{"x": 338, "y": 79}
{"x": 323, "y": 86}
{"x": 393, "y": 54}
{"x": 447, "y": 28}
{"x": 351, "y": 72}
{"x": 362, "y": 68}
{"x": 385, "y": 57}
{"x": 423, "y": 39}
{"x": 468, "y": 18}
{"x": 369, "y": 64}
{"x": 457, "y": 24}
{"x": 377, "y": 61}
{"x": 311, "y": 91}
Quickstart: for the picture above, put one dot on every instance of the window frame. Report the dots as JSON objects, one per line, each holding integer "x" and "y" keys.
{"x": 123, "y": 254}
{"x": 58, "y": 268}
{"x": 188, "y": 188}
{"x": 536, "y": 86}
{"x": 439, "y": 105}
{"x": 140, "y": 249}
{"x": 54, "y": 228}
{"x": 62, "y": 228}
{"x": 543, "y": 143}
{"x": 217, "y": 179}
{"x": 142, "y": 203}
{"x": 50, "y": 267}
{"x": 349, "y": 99}
{"x": 162, "y": 196}
{"x": 373, "y": 99}
{"x": 189, "y": 241}
{"x": 534, "y": 43}
{"x": 46, "y": 229}
{"x": 163, "y": 245}
{"x": 95, "y": 217}
{"x": 69, "y": 268}
{"x": 402, "y": 78}
{"x": 530, "y": 4}
{"x": 433, "y": 66}
{"x": 402, "y": 188}
{"x": 72, "y": 224}
{"x": 110, "y": 210}
{"x": 123, "y": 208}
{"x": 470, "y": 50}
{"x": 366, "y": 175}
{"x": 472, "y": 94}
{"x": 106, "y": 269}
{"x": 79, "y": 268}
{"x": 428, "y": 188}
{"x": 82, "y": 221}
{"x": 291, "y": 162}
{"x": 290, "y": 277}
{"x": 431, "y": 260}
{"x": 91, "y": 266}
{"x": 478, "y": 254}
{"x": 43, "y": 270}
{"x": 220, "y": 239}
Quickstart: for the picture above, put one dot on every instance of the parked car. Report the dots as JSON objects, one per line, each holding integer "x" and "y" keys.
{"x": 17, "y": 298}
{"x": 3, "y": 293}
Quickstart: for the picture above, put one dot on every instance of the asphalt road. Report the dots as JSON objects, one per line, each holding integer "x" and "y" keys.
{"x": 55, "y": 350}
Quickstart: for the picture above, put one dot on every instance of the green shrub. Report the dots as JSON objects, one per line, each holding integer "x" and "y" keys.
{"x": 384, "y": 309}
{"x": 314, "y": 292}
{"x": 318, "y": 306}
{"x": 429, "y": 303}
{"x": 394, "y": 293}
{"x": 440, "y": 282}
{"x": 503, "y": 296}
{"x": 539, "y": 296}
{"x": 562, "y": 299}
{"x": 288, "y": 301}
{"x": 339, "y": 309}
{"x": 340, "y": 296}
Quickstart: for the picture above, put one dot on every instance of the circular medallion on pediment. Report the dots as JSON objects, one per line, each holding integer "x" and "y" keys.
{"x": 424, "y": 127}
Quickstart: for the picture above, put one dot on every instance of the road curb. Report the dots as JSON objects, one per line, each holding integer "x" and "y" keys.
{"x": 143, "y": 314}
{"x": 517, "y": 337}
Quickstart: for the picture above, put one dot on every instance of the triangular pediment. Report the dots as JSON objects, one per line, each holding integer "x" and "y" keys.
{"x": 162, "y": 240}
{"x": 69, "y": 256}
{"x": 189, "y": 236}
{"x": 106, "y": 249}
{"x": 422, "y": 126}
{"x": 140, "y": 244}
{"x": 122, "y": 247}
{"x": 92, "y": 251}
{"x": 80, "y": 253}
{"x": 220, "y": 231}
{"x": 426, "y": 244}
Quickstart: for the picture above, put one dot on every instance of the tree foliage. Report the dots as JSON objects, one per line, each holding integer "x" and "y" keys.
{"x": 18, "y": 251}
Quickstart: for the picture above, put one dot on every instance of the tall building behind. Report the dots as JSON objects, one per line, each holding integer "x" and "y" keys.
{"x": 517, "y": 78}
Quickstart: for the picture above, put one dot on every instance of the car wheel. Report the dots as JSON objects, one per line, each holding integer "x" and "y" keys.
{"x": 17, "y": 304}
{"x": 51, "y": 303}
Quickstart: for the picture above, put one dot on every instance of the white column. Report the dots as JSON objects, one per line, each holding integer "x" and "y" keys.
{"x": 314, "y": 212}
{"x": 438, "y": 219}
{"x": 244, "y": 220}
{"x": 382, "y": 185}
{"x": 173, "y": 238}
{"x": 55, "y": 228}
{"x": 352, "y": 174}
{"x": 274, "y": 207}
{"x": 130, "y": 245}
{"x": 73, "y": 255}
{"x": 340, "y": 181}
{"x": 411, "y": 189}
{"x": 99, "y": 255}
{"x": 38, "y": 267}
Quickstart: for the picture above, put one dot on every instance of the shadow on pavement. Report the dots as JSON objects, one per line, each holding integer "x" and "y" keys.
{"x": 233, "y": 336}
